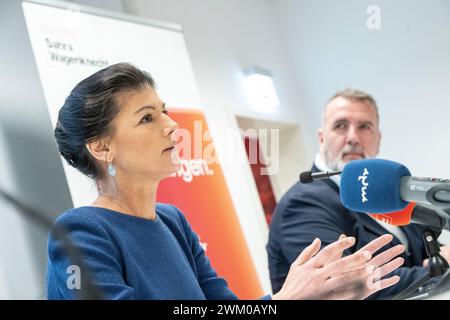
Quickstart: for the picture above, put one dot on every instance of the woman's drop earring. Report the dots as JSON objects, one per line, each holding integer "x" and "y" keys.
{"x": 111, "y": 169}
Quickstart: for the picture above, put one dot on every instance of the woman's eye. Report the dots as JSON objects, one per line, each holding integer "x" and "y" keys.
{"x": 147, "y": 118}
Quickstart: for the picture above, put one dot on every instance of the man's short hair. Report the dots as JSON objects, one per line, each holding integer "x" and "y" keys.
{"x": 354, "y": 94}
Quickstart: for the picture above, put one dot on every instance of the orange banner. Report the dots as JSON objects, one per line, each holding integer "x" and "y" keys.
{"x": 199, "y": 190}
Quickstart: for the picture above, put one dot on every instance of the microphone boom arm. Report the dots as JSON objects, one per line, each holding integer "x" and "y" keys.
{"x": 88, "y": 291}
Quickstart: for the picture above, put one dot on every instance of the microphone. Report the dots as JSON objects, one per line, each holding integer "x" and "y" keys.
{"x": 309, "y": 176}
{"x": 382, "y": 186}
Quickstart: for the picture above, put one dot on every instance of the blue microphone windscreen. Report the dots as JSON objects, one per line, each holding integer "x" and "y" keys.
{"x": 373, "y": 186}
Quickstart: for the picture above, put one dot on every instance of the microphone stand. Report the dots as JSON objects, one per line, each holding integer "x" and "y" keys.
{"x": 437, "y": 265}
{"x": 88, "y": 291}
{"x": 444, "y": 283}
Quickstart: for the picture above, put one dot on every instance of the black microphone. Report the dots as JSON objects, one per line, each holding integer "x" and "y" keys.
{"x": 309, "y": 176}
{"x": 89, "y": 290}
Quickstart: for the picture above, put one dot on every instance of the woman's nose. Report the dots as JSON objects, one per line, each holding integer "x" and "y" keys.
{"x": 170, "y": 127}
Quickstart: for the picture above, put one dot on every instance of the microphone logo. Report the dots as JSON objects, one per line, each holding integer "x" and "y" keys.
{"x": 364, "y": 184}
{"x": 383, "y": 218}
{"x": 414, "y": 187}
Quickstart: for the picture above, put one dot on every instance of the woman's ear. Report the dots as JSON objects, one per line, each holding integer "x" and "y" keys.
{"x": 100, "y": 150}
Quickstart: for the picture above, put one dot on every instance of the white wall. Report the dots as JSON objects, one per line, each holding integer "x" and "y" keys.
{"x": 405, "y": 65}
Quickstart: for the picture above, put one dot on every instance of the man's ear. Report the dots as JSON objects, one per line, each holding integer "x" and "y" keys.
{"x": 99, "y": 150}
{"x": 379, "y": 142}
{"x": 320, "y": 135}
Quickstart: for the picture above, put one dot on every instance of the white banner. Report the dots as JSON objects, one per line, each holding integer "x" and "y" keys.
{"x": 71, "y": 42}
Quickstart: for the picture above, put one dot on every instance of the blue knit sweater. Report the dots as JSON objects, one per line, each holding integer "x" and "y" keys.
{"x": 134, "y": 258}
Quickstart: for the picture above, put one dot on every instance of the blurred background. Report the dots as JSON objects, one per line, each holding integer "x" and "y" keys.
{"x": 310, "y": 48}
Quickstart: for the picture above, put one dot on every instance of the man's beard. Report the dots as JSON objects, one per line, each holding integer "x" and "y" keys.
{"x": 337, "y": 163}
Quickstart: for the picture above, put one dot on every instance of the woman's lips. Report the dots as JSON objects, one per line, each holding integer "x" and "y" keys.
{"x": 168, "y": 149}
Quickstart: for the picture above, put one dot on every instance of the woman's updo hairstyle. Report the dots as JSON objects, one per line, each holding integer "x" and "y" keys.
{"x": 89, "y": 110}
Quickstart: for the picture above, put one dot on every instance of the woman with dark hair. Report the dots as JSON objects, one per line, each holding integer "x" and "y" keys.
{"x": 114, "y": 128}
